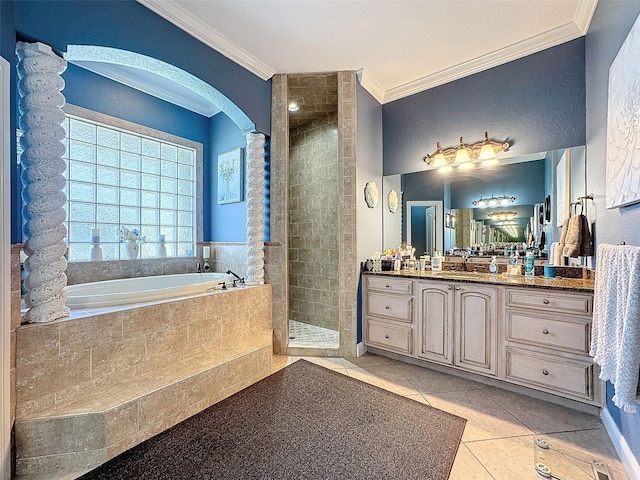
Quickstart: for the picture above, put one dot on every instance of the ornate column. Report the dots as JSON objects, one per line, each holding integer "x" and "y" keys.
{"x": 41, "y": 116}
{"x": 255, "y": 210}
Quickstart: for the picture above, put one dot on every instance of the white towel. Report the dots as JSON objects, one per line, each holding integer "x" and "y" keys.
{"x": 615, "y": 335}
{"x": 554, "y": 254}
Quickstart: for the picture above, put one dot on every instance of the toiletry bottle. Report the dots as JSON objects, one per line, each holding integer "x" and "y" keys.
{"x": 513, "y": 259}
{"x": 529, "y": 261}
{"x": 493, "y": 266}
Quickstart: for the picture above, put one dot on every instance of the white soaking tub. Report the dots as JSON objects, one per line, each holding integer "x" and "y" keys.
{"x": 142, "y": 289}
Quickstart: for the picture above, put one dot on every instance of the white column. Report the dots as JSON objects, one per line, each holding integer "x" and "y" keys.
{"x": 255, "y": 209}
{"x": 41, "y": 116}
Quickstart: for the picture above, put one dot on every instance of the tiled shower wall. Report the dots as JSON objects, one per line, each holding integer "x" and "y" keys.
{"x": 277, "y": 252}
{"x": 313, "y": 229}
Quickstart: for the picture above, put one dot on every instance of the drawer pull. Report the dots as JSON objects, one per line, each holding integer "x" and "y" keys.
{"x": 386, "y": 336}
{"x": 386, "y": 307}
{"x": 545, "y": 331}
{"x": 386, "y": 286}
{"x": 545, "y": 372}
{"x": 545, "y": 301}
{"x": 457, "y": 288}
{"x": 449, "y": 288}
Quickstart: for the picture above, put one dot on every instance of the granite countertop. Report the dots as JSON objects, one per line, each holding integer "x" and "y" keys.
{"x": 557, "y": 283}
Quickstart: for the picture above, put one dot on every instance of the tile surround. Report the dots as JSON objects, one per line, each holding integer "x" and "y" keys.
{"x": 176, "y": 358}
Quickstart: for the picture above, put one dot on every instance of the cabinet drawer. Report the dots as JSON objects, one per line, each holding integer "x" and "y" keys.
{"x": 390, "y": 337}
{"x": 570, "y": 378}
{"x": 397, "y": 307}
{"x": 569, "y": 335}
{"x": 547, "y": 300}
{"x": 392, "y": 285}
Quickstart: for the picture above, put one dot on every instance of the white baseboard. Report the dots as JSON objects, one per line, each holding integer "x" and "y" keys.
{"x": 628, "y": 459}
{"x": 361, "y": 349}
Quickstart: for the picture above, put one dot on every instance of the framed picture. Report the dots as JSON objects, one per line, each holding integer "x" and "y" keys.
{"x": 447, "y": 220}
{"x": 230, "y": 176}
{"x": 623, "y": 143}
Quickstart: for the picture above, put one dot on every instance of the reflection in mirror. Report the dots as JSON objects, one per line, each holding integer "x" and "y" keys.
{"x": 557, "y": 174}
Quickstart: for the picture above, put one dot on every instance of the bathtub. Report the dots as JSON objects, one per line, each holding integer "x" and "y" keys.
{"x": 142, "y": 289}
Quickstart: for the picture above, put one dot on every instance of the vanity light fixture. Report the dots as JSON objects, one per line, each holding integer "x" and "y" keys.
{"x": 502, "y": 215}
{"x": 482, "y": 152}
{"x": 493, "y": 201}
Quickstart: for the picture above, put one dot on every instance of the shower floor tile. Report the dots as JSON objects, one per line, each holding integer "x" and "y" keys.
{"x": 303, "y": 334}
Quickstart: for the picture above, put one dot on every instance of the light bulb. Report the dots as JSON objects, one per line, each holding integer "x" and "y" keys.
{"x": 439, "y": 159}
{"x": 492, "y": 202}
{"x": 445, "y": 169}
{"x": 490, "y": 163}
{"x": 466, "y": 166}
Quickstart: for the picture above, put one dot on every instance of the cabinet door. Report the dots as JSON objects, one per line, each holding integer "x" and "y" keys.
{"x": 436, "y": 321}
{"x": 476, "y": 325}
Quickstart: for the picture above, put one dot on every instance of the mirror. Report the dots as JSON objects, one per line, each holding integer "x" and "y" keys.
{"x": 459, "y": 224}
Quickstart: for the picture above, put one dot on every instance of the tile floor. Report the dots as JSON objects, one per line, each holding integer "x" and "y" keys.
{"x": 498, "y": 441}
{"x": 305, "y": 335}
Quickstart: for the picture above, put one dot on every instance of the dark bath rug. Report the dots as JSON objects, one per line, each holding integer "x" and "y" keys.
{"x": 303, "y": 422}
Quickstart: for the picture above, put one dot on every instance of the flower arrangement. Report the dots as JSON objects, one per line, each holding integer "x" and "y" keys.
{"x": 132, "y": 235}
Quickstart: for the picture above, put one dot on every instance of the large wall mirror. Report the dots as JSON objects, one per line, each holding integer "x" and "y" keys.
{"x": 443, "y": 212}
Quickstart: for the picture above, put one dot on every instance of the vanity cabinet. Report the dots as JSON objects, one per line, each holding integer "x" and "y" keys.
{"x": 458, "y": 325}
{"x": 547, "y": 340}
{"x": 537, "y": 338}
{"x": 388, "y": 309}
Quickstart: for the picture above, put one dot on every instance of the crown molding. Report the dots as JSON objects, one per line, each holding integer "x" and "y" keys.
{"x": 370, "y": 84}
{"x": 537, "y": 43}
{"x": 191, "y": 24}
{"x": 584, "y": 14}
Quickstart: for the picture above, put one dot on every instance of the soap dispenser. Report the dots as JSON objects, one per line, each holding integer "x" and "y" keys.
{"x": 493, "y": 266}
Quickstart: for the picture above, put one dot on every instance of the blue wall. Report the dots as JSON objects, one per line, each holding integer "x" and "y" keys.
{"x": 609, "y": 28}
{"x": 537, "y": 103}
{"x": 223, "y": 223}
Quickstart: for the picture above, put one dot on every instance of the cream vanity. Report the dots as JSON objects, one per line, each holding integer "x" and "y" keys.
{"x": 530, "y": 332}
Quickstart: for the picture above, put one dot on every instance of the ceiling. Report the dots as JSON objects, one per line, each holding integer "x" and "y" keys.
{"x": 398, "y": 47}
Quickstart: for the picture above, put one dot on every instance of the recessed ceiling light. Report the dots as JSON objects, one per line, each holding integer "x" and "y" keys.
{"x": 294, "y": 107}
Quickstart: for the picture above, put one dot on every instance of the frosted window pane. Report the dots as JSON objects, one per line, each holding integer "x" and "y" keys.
{"x": 169, "y": 152}
{"x": 185, "y": 234}
{"x": 79, "y": 252}
{"x": 79, "y": 130}
{"x": 150, "y": 165}
{"x": 82, "y": 212}
{"x": 130, "y": 215}
{"x": 108, "y": 156}
{"x": 109, "y": 233}
{"x": 149, "y": 199}
{"x": 185, "y": 219}
{"x": 150, "y": 232}
{"x": 129, "y": 197}
{"x": 83, "y": 192}
{"x": 168, "y": 185}
{"x": 130, "y": 161}
{"x": 82, "y": 171}
{"x": 110, "y": 251}
{"x": 150, "y": 182}
{"x": 169, "y": 233}
{"x": 185, "y": 249}
{"x": 150, "y": 148}
{"x": 150, "y": 216}
{"x": 130, "y": 179}
{"x": 171, "y": 249}
{"x": 169, "y": 169}
{"x": 80, "y": 232}
{"x": 130, "y": 143}
{"x": 107, "y": 194}
{"x": 149, "y": 250}
{"x": 107, "y": 214}
{"x": 184, "y": 203}
{"x": 108, "y": 175}
{"x": 108, "y": 137}
{"x": 185, "y": 156}
{"x": 167, "y": 217}
{"x": 185, "y": 172}
{"x": 185, "y": 187}
{"x": 167, "y": 201}
{"x": 81, "y": 151}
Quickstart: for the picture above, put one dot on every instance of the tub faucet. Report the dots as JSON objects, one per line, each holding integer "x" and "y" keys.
{"x": 198, "y": 269}
{"x": 238, "y": 279}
